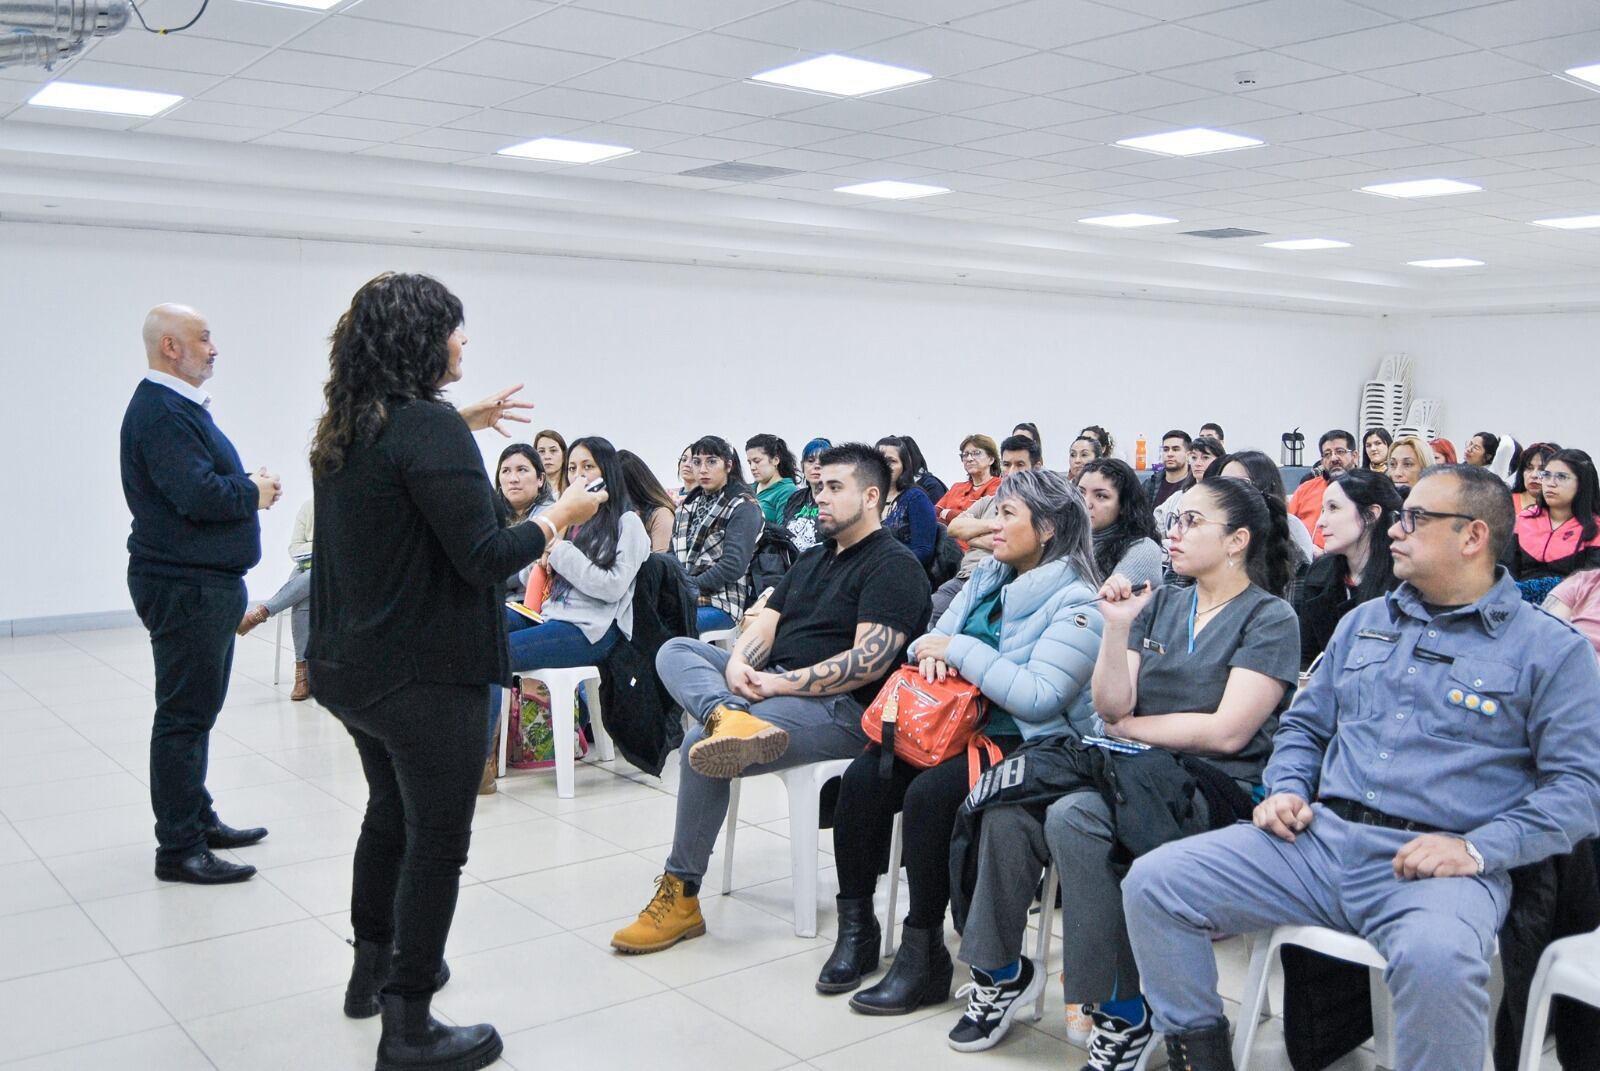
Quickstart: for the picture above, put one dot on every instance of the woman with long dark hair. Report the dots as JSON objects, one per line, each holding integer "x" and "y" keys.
{"x": 552, "y": 450}
{"x": 1257, "y": 468}
{"x": 650, "y": 500}
{"x": 1126, "y": 542}
{"x": 773, "y": 472}
{"x": 1559, "y": 534}
{"x": 1357, "y": 512}
{"x": 1084, "y": 449}
{"x": 715, "y": 533}
{"x": 1375, "y": 449}
{"x": 1530, "y": 463}
{"x": 406, "y": 636}
{"x": 908, "y": 513}
{"x": 520, "y": 485}
{"x": 931, "y": 485}
{"x": 1482, "y": 448}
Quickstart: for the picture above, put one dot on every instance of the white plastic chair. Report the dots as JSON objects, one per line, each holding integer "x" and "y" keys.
{"x": 720, "y": 637}
{"x": 1570, "y": 967}
{"x": 277, "y": 650}
{"x": 804, "y": 786}
{"x": 563, "y": 685}
{"x": 1350, "y": 948}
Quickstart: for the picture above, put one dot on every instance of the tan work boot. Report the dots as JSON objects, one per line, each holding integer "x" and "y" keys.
{"x": 734, "y": 740}
{"x": 669, "y": 918}
{"x": 302, "y": 684}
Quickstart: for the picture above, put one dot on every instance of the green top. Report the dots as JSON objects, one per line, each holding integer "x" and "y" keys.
{"x": 983, "y": 625}
{"x": 773, "y": 498}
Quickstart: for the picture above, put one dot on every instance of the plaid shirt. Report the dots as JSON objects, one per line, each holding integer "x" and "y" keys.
{"x": 697, "y": 537}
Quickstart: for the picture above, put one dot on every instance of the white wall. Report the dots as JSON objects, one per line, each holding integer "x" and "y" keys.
{"x": 649, "y": 355}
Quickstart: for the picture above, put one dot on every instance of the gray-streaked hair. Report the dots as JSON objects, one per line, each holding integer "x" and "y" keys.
{"x": 1060, "y": 519}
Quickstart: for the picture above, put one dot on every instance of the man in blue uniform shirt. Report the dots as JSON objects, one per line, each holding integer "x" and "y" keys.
{"x": 194, "y": 536}
{"x": 1452, "y": 733}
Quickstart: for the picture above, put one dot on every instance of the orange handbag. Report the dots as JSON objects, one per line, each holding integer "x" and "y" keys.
{"x": 925, "y": 723}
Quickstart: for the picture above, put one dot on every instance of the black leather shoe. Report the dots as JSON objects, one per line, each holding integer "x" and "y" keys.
{"x": 413, "y": 1040}
{"x": 855, "y": 953}
{"x": 222, "y": 836}
{"x": 920, "y": 974}
{"x": 203, "y": 868}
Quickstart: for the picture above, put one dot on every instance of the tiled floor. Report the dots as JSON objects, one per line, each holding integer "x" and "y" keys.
{"x": 102, "y": 966}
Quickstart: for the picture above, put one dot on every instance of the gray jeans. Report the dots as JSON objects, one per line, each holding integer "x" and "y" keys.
{"x": 295, "y": 595}
{"x": 821, "y": 728}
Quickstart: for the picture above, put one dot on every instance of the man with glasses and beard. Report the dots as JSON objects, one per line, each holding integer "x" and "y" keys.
{"x": 1338, "y": 448}
{"x": 792, "y": 690}
{"x": 1448, "y": 737}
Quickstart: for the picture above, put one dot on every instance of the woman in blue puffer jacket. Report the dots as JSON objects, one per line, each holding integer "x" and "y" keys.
{"x": 1026, "y": 631}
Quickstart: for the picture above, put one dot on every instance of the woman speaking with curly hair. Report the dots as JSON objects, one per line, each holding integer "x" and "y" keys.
{"x": 407, "y": 636}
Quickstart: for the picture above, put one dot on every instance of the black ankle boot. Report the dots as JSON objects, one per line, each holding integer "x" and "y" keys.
{"x": 413, "y": 1040}
{"x": 921, "y": 974}
{"x": 856, "y": 951}
{"x": 1206, "y": 1049}
{"x": 369, "y": 975}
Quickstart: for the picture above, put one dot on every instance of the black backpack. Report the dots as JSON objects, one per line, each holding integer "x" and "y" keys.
{"x": 947, "y": 557}
{"x": 774, "y": 555}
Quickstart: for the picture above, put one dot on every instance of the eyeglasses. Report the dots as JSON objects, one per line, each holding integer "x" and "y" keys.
{"x": 1407, "y": 518}
{"x": 972, "y": 455}
{"x": 1558, "y": 478}
{"x": 1329, "y": 455}
{"x": 704, "y": 462}
{"x": 1182, "y": 521}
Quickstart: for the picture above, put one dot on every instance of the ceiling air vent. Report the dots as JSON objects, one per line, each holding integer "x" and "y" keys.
{"x": 1224, "y": 232}
{"x": 739, "y": 172}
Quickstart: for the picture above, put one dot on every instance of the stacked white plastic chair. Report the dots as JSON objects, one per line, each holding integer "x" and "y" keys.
{"x": 1423, "y": 419}
{"x": 1384, "y": 398}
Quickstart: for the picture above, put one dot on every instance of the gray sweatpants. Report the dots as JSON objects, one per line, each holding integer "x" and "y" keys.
{"x": 295, "y": 595}
{"x": 818, "y": 729}
{"x": 1437, "y": 934}
{"x": 1012, "y": 851}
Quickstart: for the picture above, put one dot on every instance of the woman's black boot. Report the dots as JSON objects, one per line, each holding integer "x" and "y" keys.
{"x": 855, "y": 953}
{"x": 921, "y": 974}
{"x": 414, "y": 1040}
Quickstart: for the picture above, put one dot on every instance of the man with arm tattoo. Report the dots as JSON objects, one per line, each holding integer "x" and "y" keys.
{"x": 792, "y": 690}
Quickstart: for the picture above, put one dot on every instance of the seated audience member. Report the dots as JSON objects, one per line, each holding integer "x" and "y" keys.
{"x": 1257, "y": 468}
{"x": 521, "y": 493}
{"x": 1577, "y": 600}
{"x": 1355, "y": 566}
{"x": 650, "y": 500}
{"x": 1126, "y": 541}
{"x": 1338, "y": 450}
{"x": 1431, "y": 753}
{"x": 1375, "y": 449}
{"x": 1482, "y": 448}
{"x": 1525, "y": 484}
{"x": 980, "y": 458}
{"x": 793, "y": 689}
{"x": 1203, "y": 450}
{"x": 715, "y": 533}
{"x": 931, "y": 485}
{"x": 592, "y": 573}
{"x": 1108, "y": 445}
{"x": 1024, "y": 631}
{"x": 975, "y": 527}
{"x": 552, "y": 450}
{"x": 1084, "y": 449}
{"x": 773, "y": 473}
{"x": 1560, "y": 533}
{"x": 1199, "y": 675}
{"x": 1031, "y": 430}
{"x": 1174, "y": 477}
{"x": 1444, "y": 451}
{"x": 294, "y": 596}
{"x": 800, "y": 512}
{"x": 687, "y": 480}
{"x": 1408, "y": 456}
{"x": 1215, "y": 432}
{"x": 908, "y": 514}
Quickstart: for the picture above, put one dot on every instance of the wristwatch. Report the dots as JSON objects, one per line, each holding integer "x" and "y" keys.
{"x": 1474, "y": 854}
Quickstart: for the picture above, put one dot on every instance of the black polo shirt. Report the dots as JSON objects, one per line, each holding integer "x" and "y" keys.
{"x": 827, "y": 593}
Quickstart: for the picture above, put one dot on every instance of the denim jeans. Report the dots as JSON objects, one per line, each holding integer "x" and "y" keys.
{"x": 552, "y": 645}
{"x": 708, "y": 618}
{"x": 192, "y": 628}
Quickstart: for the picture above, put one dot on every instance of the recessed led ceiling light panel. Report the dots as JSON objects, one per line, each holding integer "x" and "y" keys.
{"x": 1446, "y": 262}
{"x": 1128, "y": 219}
{"x": 79, "y": 97}
{"x": 1308, "y": 243}
{"x": 1195, "y": 141}
{"x": 1569, "y": 223}
{"x": 841, "y": 76}
{"x": 894, "y": 191}
{"x": 1589, "y": 74}
{"x": 1431, "y": 187}
{"x": 561, "y": 151}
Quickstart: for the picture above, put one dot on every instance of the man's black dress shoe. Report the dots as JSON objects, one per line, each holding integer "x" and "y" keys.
{"x": 203, "y": 868}
{"x": 222, "y": 836}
